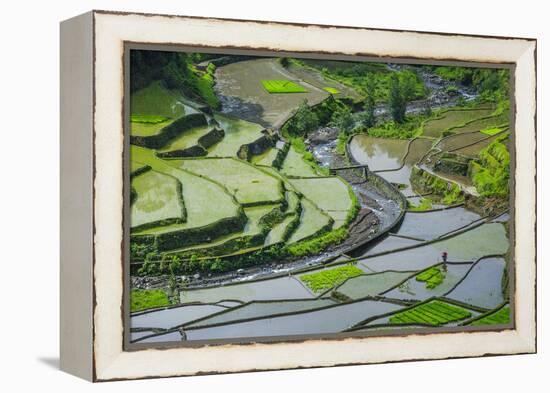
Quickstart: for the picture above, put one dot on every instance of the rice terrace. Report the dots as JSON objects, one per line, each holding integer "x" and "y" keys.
{"x": 283, "y": 196}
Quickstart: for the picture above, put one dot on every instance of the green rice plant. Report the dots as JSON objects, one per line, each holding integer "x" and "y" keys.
{"x": 326, "y": 279}
{"x": 433, "y": 277}
{"x": 492, "y": 130}
{"x": 425, "y": 204}
{"x": 331, "y": 90}
{"x": 497, "y": 317}
{"x": 148, "y": 119}
{"x": 142, "y": 299}
{"x": 435, "y": 313}
{"x": 282, "y": 86}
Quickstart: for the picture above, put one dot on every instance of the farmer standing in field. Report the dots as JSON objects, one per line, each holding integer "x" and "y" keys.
{"x": 444, "y": 257}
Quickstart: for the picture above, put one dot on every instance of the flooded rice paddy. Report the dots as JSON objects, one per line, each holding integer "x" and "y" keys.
{"x": 378, "y": 153}
{"x": 482, "y": 286}
{"x": 280, "y": 306}
{"x": 328, "y": 320}
{"x": 241, "y": 95}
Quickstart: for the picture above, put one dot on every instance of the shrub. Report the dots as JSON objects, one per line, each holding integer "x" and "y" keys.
{"x": 491, "y": 172}
{"x": 303, "y": 120}
{"x": 142, "y": 299}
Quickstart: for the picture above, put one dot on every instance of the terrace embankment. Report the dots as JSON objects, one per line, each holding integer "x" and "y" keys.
{"x": 382, "y": 205}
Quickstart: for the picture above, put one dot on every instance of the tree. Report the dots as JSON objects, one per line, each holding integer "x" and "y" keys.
{"x": 343, "y": 119}
{"x": 396, "y": 102}
{"x": 303, "y": 121}
{"x": 284, "y": 61}
{"x": 408, "y": 86}
{"x": 369, "y": 107}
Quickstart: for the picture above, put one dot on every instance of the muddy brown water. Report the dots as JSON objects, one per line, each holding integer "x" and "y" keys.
{"x": 240, "y": 90}
{"x": 474, "y": 150}
{"x": 459, "y": 141}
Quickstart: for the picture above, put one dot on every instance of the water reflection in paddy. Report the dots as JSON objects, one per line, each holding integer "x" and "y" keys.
{"x": 487, "y": 239}
{"x": 260, "y": 309}
{"x": 414, "y": 289}
{"x": 391, "y": 243}
{"x": 483, "y": 285}
{"x": 378, "y": 153}
{"x": 430, "y": 225}
{"x": 171, "y": 317}
{"x": 331, "y": 320}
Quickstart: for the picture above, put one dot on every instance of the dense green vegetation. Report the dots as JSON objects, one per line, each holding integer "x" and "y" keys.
{"x": 142, "y": 299}
{"x": 303, "y": 120}
{"x": 329, "y": 278}
{"x": 176, "y": 70}
{"x": 282, "y": 86}
{"x": 446, "y": 192}
{"x": 492, "y": 84}
{"x": 391, "y": 129}
{"x": 435, "y": 313}
{"x": 356, "y": 75}
{"x": 433, "y": 277}
{"x": 491, "y": 172}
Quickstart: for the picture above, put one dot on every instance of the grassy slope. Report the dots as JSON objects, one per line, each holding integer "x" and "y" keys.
{"x": 142, "y": 299}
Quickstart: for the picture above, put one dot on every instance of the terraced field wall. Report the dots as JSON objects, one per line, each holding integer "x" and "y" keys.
{"x": 169, "y": 132}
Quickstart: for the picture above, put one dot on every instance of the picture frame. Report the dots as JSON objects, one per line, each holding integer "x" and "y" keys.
{"x": 94, "y": 188}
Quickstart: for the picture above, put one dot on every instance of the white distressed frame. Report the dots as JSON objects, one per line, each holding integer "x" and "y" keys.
{"x": 110, "y": 31}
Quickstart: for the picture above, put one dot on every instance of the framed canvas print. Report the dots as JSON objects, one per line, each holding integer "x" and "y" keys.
{"x": 244, "y": 195}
